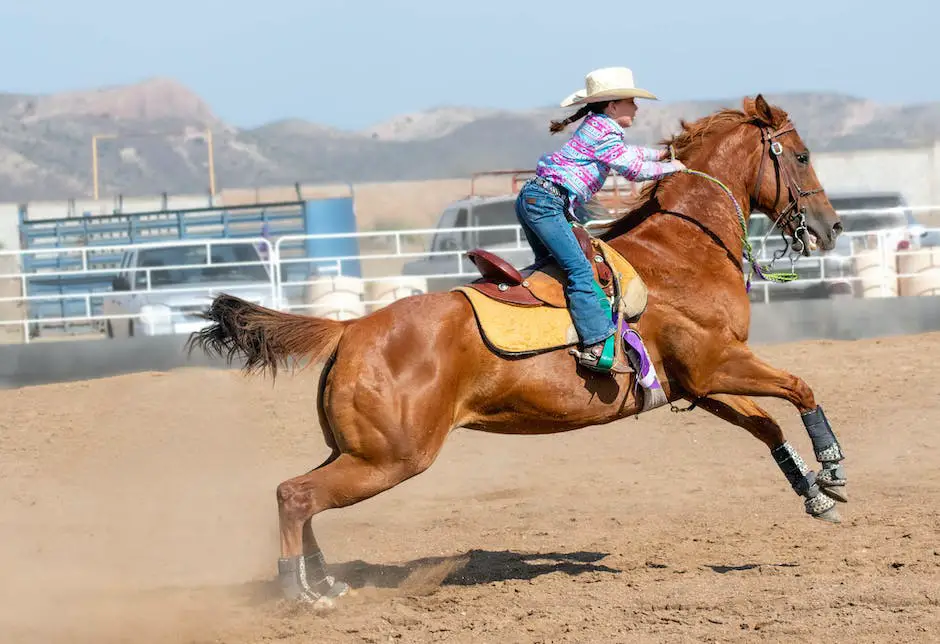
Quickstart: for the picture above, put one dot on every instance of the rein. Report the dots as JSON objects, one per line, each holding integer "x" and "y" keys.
{"x": 763, "y": 271}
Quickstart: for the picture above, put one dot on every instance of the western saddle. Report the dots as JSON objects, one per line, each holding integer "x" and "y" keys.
{"x": 536, "y": 285}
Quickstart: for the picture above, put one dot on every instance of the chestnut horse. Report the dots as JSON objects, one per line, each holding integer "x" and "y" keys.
{"x": 397, "y": 381}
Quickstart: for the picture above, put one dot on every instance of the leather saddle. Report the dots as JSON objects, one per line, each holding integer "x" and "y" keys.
{"x": 537, "y": 284}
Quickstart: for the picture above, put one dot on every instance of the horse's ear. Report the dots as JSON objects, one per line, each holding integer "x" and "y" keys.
{"x": 762, "y": 107}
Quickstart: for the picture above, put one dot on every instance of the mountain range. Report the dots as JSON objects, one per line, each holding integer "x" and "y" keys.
{"x": 160, "y": 146}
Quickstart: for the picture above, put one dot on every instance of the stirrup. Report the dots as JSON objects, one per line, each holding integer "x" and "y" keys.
{"x": 602, "y": 363}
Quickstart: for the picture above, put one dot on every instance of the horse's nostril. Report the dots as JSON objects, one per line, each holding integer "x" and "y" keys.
{"x": 837, "y": 228}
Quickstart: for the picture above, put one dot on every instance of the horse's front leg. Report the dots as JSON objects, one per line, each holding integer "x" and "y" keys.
{"x": 740, "y": 372}
{"x": 744, "y": 412}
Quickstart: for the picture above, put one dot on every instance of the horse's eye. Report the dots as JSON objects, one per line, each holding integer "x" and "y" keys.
{"x": 803, "y": 157}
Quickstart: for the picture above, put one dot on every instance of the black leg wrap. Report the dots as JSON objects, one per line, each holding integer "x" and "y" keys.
{"x": 802, "y": 479}
{"x": 825, "y": 445}
{"x": 319, "y": 580}
{"x": 292, "y": 577}
{"x": 315, "y": 567}
{"x": 828, "y": 452}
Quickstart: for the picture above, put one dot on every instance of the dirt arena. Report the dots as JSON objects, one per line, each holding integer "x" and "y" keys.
{"x": 141, "y": 509}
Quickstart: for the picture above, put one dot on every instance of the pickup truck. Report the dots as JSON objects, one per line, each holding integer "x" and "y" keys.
{"x": 161, "y": 290}
{"x": 447, "y": 261}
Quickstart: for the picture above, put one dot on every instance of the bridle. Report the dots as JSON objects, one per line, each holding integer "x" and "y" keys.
{"x": 793, "y": 216}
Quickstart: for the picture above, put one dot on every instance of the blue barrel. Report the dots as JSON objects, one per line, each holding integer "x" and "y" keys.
{"x": 326, "y": 216}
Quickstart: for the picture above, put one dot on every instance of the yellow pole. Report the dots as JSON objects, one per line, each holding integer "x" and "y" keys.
{"x": 94, "y": 164}
{"x": 94, "y": 159}
{"x": 211, "y": 165}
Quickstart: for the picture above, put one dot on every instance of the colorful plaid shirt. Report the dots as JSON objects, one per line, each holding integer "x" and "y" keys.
{"x": 597, "y": 147}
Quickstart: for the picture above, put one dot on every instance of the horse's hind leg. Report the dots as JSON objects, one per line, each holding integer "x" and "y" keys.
{"x": 744, "y": 412}
{"x": 305, "y": 577}
{"x": 743, "y": 373}
{"x": 344, "y": 481}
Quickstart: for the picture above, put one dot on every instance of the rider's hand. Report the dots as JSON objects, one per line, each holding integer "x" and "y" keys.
{"x": 679, "y": 165}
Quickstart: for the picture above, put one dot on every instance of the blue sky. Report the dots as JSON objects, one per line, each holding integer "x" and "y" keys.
{"x": 350, "y": 64}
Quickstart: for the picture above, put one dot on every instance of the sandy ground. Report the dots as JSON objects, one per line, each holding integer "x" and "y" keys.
{"x": 141, "y": 509}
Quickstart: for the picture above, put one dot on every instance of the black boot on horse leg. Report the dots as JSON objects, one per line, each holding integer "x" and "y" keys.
{"x": 303, "y": 578}
{"x": 831, "y": 478}
{"x": 803, "y": 481}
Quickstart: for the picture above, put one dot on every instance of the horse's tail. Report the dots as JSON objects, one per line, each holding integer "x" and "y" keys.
{"x": 265, "y": 337}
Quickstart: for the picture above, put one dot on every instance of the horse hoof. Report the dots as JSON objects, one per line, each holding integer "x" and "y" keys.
{"x": 322, "y": 595}
{"x": 836, "y": 493}
{"x": 323, "y": 603}
{"x": 338, "y": 589}
{"x": 830, "y": 516}
{"x": 822, "y": 507}
{"x": 311, "y": 601}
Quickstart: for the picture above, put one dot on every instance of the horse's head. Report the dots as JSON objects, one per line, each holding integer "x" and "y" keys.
{"x": 786, "y": 187}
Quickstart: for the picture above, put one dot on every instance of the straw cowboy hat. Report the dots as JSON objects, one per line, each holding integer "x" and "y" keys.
{"x": 607, "y": 84}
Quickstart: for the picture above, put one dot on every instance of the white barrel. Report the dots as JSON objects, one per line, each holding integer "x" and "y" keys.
{"x": 877, "y": 274}
{"x": 337, "y": 297}
{"x": 383, "y": 292}
{"x": 922, "y": 268}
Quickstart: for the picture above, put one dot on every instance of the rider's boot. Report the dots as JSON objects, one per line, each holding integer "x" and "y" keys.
{"x": 600, "y": 356}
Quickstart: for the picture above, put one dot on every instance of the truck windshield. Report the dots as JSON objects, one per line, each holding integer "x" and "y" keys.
{"x": 498, "y": 213}
{"x": 182, "y": 258}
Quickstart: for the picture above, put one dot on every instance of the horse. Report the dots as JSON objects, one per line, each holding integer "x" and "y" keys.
{"x": 395, "y": 382}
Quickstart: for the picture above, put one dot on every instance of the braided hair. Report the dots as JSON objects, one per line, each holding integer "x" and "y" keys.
{"x": 591, "y": 108}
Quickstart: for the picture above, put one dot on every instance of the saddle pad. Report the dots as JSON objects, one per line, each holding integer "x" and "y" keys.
{"x": 513, "y": 330}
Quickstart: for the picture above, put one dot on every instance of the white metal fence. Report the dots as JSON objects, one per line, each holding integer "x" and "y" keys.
{"x": 94, "y": 287}
{"x": 165, "y": 288}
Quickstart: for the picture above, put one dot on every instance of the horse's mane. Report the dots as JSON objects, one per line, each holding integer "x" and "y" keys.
{"x": 692, "y": 137}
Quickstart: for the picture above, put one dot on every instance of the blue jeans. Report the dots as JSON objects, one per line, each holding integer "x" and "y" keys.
{"x": 542, "y": 216}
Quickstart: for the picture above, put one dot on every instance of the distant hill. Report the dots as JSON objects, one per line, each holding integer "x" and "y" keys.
{"x": 45, "y": 141}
